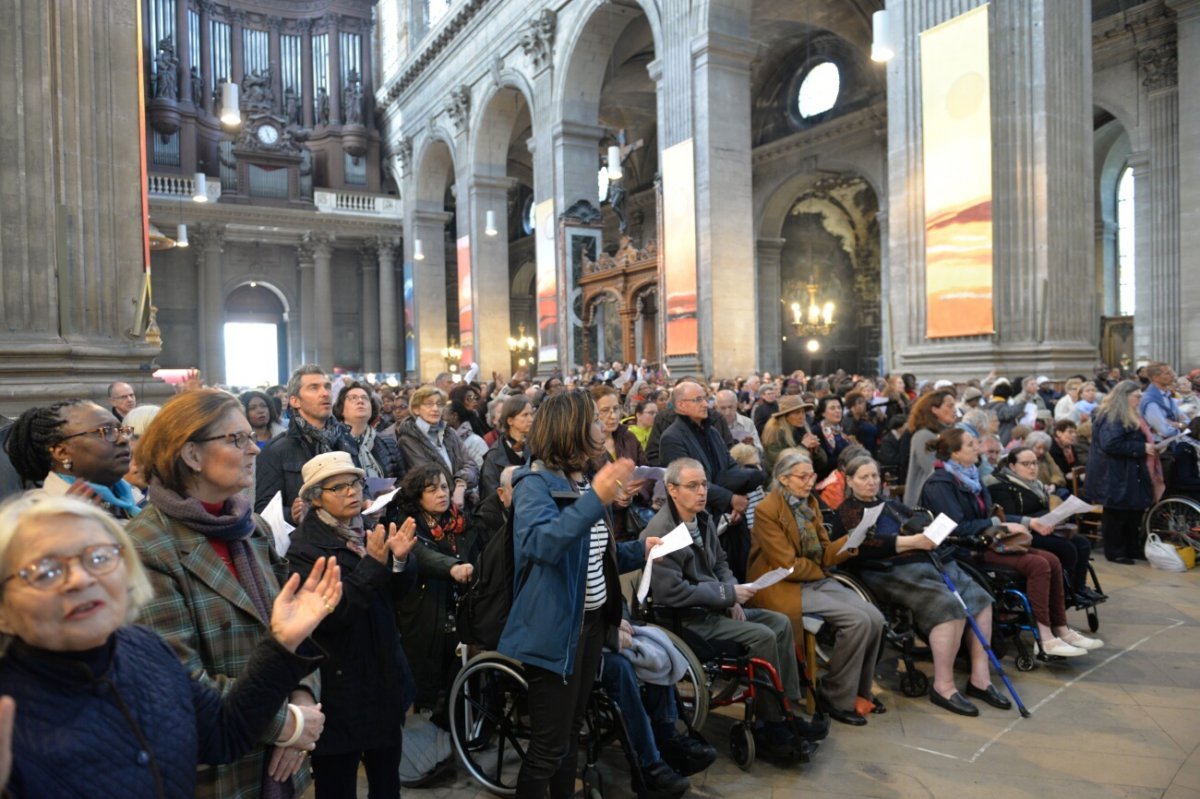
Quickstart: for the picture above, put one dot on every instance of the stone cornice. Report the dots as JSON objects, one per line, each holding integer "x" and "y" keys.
{"x": 258, "y": 222}
{"x": 446, "y": 33}
{"x": 1119, "y": 37}
{"x": 871, "y": 119}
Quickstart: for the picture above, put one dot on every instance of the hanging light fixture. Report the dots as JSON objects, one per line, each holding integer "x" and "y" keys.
{"x": 614, "y": 163}
{"x": 231, "y": 113}
{"x": 418, "y": 250}
{"x": 490, "y": 226}
{"x": 200, "y": 187}
{"x": 881, "y": 37}
{"x": 817, "y": 319}
{"x": 181, "y": 239}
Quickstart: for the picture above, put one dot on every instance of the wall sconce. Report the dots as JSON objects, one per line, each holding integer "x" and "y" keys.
{"x": 881, "y": 38}
{"x": 489, "y": 228}
{"x": 200, "y": 187}
{"x": 418, "y": 251}
{"x": 231, "y": 113}
{"x": 614, "y": 163}
{"x": 181, "y": 239}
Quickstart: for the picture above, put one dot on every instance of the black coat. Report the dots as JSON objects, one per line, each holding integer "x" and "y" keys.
{"x": 666, "y": 418}
{"x": 278, "y": 466}
{"x": 390, "y": 458}
{"x": 943, "y": 494}
{"x": 1117, "y": 475}
{"x": 497, "y": 459}
{"x": 1016, "y": 500}
{"x": 366, "y": 686}
{"x": 685, "y": 439}
{"x": 417, "y": 448}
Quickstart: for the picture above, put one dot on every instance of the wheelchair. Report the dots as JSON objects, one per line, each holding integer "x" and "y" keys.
{"x": 490, "y": 726}
{"x": 1176, "y": 517}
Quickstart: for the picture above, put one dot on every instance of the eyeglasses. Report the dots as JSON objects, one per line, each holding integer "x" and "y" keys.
{"x": 608, "y": 411}
{"x": 805, "y": 476}
{"x": 108, "y": 432}
{"x": 51, "y": 572}
{"x": 241, "y": 439}
{"x": 433, "y": 404}
{"x": 346, "y": 489}
{"x": 1026, "y": 463}
{"x": 693, "y": 486}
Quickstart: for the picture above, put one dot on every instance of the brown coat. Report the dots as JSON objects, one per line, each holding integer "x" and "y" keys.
{"x": 775, "y": 542}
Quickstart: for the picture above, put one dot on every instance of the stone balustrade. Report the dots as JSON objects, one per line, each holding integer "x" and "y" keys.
{"x": 181, "y": 186}
{"x": 356, "y": 203}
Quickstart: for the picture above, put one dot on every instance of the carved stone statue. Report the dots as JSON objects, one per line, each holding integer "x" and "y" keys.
{"x": 256, "y": 91}
{"x": 166, "y": 73}
{"x": 197, "y": 87}
{"x": 291, "y": 106}
{"x": 322, "y": 106}
{"x": 352, "y": 97}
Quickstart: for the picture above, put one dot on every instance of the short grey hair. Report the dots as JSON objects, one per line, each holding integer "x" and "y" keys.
{"x": 978, "y": 419}
{"x": 506, "y": 476}
{"x": 1037, "y": 437}
{"x": 789, "y": 459}
{"x": 676, "y": 467}
{"x": 297, "y": 377}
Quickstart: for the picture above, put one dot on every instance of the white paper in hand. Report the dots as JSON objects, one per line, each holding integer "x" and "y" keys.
{"x": 939, "y": 528}
{"x": 280, "y": 529}
{"x": 859, "y": 533}
{"x": 1066, "y": 510}
{"x": 770, "y": 578}
{"x": 673, "y": 541}
{"x": 380, "y": 502}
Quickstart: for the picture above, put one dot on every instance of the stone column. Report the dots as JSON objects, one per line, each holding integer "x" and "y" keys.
{"x": 183, "y": 51}
{"x": 305, "y": 262}
{"x": 489, "y": 272}
{"x": 210, "y": 245}
{"x": 547, "y": 201}
{"x": 275, "y": 61}
{"x": 369, "y": 313}
{"x": 1041, "y": 100}
{"x": 368, "y": 72}
{"x": 1187, "y": 22}
{"x": 206, "y": 8}
{"x": 323, "y": 297}
{"x": 724, "y": 201}
{"x": 1143, "y": 256}
{"x": 390, "y": 322}
{"x": 1106, "y": 253}
{"x": 237, "y": 54}
{"x": 335, "y": 69}
{"x": 770, "y": 318}
{"x": 307, "y": 90}
{"x": 429, "y": 290}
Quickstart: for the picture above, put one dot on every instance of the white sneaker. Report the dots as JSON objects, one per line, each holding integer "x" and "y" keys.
{"x": 1075, "y": 638}
{"x": 1060, "y": 648}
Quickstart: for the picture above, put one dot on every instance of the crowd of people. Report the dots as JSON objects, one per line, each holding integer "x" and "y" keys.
{"x": 148, "y": 609}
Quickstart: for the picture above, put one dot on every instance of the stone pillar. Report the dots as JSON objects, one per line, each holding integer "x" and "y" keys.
{"x": 335, "y": 69}
{"x": 210, "y": 245}
{"x": 1187, "y": 21}
{"x": 369, "y": 314}
{"x": 489, "y": 272}
{"x": 770, "y": 319}
{"x": 275, "y": 61}
{"x": 208, "y": 80}
{"x": 183, "y": 51}
{"x": 237, "y": 55}
{"x": 547, "y": 205}
{"x": 724, "y": 202}
{"x": 1041, "y": 102}
{"x": 390, "y": 322}
{"x": 308, "y": 303}
{"x": 71, "y": 236}
{"x": 1143, "y": 258}
{"x": 368, "y": 72}
{"x": 1106, "y": 254}
{"x": 429, "y": 290}
{"x": 307, "y": 90}
{"x": 323, "y": 297}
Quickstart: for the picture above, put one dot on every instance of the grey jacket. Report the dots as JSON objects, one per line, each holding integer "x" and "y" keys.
{"x": 693, "y": 577}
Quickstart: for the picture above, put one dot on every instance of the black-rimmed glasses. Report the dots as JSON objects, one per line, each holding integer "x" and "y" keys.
{"x": 240, "y": 439}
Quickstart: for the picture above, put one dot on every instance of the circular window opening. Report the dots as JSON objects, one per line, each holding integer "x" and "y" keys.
{"x": 819, "y": 90}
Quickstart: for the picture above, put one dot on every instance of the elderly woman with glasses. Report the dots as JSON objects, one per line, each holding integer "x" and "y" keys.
{"x": 365, "y": 683}
{"x": 215, "y": 572}
{"x": 103, "y": 707}
{"x": 425, "y": 438}
{"x": 75, "y": 447}
{"x": 789, "y": 532}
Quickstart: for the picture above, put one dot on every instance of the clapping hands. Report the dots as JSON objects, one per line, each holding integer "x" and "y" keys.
{"x": 299, "y": 608}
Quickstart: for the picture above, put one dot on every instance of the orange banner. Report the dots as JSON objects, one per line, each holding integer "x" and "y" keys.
{"x": 679, "y": 251}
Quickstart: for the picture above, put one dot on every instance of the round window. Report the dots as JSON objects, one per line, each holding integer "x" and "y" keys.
{"x": 819, "y": 90}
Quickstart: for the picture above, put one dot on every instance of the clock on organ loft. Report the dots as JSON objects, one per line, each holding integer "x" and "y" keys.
{"x": 268, "y": 133}
{"x": 268, "y": 157}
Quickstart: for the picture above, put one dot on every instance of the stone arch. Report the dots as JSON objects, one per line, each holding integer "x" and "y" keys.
{"x": 603, "y": 295}
{"x": 257, "y": 282}
{"x": 492, "y": 124}
{"x": 1112, "y": 151}
{"x": 435, "y": 171}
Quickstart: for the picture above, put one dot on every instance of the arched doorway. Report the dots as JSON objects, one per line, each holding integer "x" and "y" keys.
{"x": 256, "y": 337}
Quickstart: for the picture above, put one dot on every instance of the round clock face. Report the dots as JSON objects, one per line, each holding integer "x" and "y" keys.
{"x": 268, "y": 134}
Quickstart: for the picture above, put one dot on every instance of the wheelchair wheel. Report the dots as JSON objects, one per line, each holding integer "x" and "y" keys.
{"x": 741, "y": 745}
{"x": 1093, "y": 618}
{"x": 1025, "y": 662}
{"x": 914, "y": 683}
{"x": 489, "y": 722}
{"x": 1175, "y": 520}
{"x": 691, "y": 692}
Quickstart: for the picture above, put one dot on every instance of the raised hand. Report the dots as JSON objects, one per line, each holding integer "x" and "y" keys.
{"x": 401, "y": 541}
{"x": 300, "y": 608}
{"x": 611, "y": 479}
{"x": 377, "y": 543}
{"x": 461, "y": 572}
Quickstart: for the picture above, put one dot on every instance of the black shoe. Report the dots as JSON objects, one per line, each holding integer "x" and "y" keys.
{"x": 814, "y": 730}
{"x": 1082, "y": 602}
{"x": 991, "y": 695}
{"x": 841, "y": 716}
{"x": 1122, "y": 560}
{"x": 687, "y": 755}
{"x": 878, "y": 708}
{"x": 957, "y": 703}
{"x": 1096, "y": 596}
{"x": 778, "y": 743}
{"x": 659, "y": 778}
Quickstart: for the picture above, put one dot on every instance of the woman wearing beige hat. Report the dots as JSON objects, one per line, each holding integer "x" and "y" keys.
{"x": 788, "y": 428}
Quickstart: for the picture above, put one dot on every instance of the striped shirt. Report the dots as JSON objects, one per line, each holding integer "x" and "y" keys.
{"x": 597, "y": 592}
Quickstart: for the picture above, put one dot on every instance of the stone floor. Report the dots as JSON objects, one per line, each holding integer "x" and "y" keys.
{"x": 1121, "y": 722}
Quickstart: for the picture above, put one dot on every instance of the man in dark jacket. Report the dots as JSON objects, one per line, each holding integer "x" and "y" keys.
{"x": 491, "y": 514}
{"x": 312, "y": 431}
{"x": 666, "y": 418}
{"x": 768, "y": 404}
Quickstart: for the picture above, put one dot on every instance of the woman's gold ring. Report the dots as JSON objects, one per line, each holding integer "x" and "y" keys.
{"x": 328, "y": 608}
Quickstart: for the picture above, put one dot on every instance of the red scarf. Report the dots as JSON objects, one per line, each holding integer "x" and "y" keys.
{"x": 452, "y": 522}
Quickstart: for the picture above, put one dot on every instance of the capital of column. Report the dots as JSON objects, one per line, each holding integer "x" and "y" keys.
{"x": 724, "y": 50}
{"x": 319, "y": 246}
{"x": 1139, "y": 162}
{"x": 655, "y": 69}
{"x": 209, "y": 239}
{"x": 569, "y": 132}
{"x": 431, "y": 217}
{"x": 768, "y": 246}
{"x": 368, "y": 255}
{"x": 485, "y": 183}
{"x": 385, "y": 249}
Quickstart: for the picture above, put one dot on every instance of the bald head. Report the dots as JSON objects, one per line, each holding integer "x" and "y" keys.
{"x": 727, "y": 404}
{"x": 688, "y": 399}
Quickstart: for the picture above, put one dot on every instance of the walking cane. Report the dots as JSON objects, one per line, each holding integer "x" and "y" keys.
{"x": 937, "y": 562}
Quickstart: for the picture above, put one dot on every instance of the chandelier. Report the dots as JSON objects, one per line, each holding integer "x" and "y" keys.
{"x": 522, "y": 346}
{"x": 818, "y": 320}
{"x": 453, "y": 355}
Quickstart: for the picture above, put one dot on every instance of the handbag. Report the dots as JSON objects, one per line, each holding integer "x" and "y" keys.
{"x": 1011, "y": 542}
{"x": 1162, "y": 555}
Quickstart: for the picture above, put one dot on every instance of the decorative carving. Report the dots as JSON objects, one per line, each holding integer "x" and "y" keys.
{"x": 537, "y": 41}
{"x": 404, "y": 152}
{"x": 291, "y": 106}
{"x": 256, "y": 91}
{"x": 458, "y": 106}
{"x": 236, "y": 17}
{"x": 447, "y": 33}
{"x": 207, "y": 7}
{"x": 1160, "y": 65}
{"x": 584, "y": 212}
{"x": 625, "y": 257}
{"x": 197, "y": 87}
{"x": 497, "y": 66}
{"x": 352, "y": 99}
{"x": 275, "y": 23}
{"x": 208, "y": 238}
{"x": 304, "y": 25}
{"x": 166, "y": 70}
{"x": 322, "y": 106}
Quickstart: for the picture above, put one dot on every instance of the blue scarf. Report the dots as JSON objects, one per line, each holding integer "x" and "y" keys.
{"x": 119, "y": 495}
{"x": 967, "y": 475}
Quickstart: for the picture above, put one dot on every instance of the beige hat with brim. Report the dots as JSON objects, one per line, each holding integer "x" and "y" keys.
{"x": 326, "y": 465}
{"x": 791, "y": 402}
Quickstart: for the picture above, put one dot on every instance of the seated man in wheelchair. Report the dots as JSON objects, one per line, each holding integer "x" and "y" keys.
{"x": 695, "y": 586}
